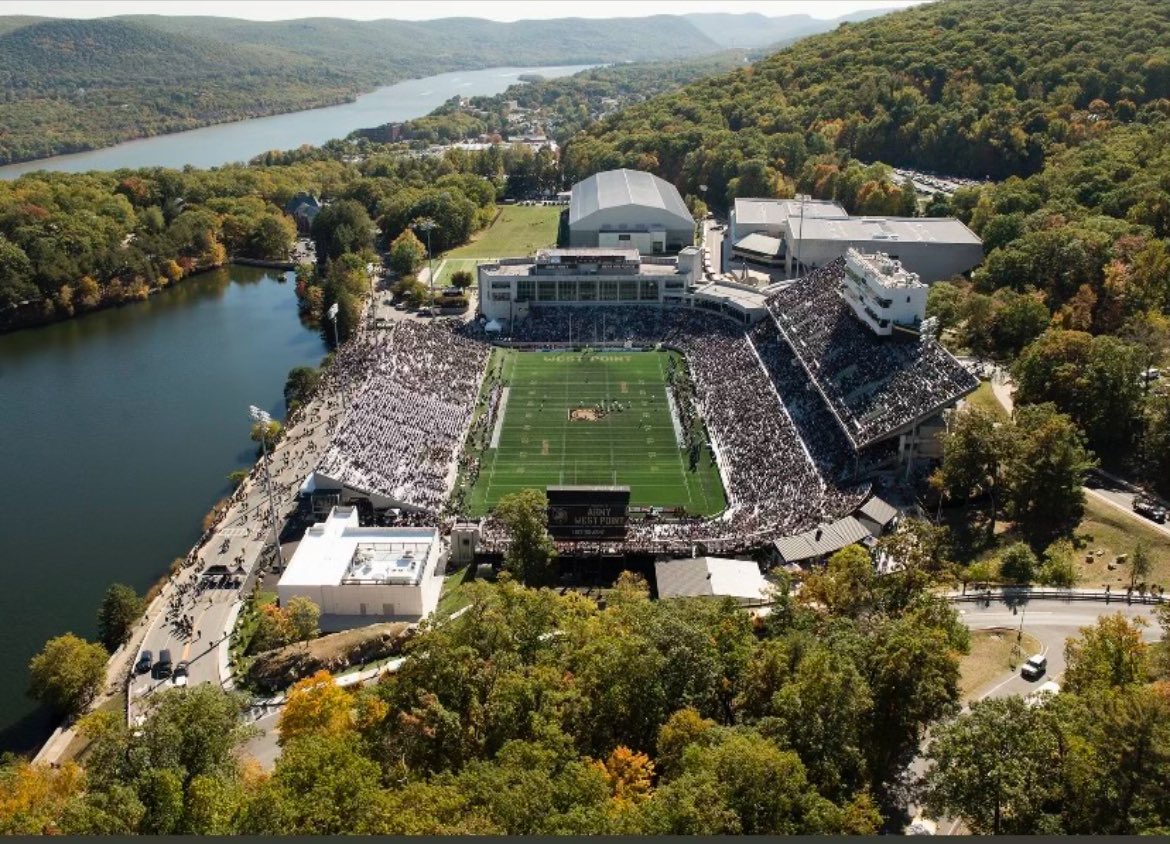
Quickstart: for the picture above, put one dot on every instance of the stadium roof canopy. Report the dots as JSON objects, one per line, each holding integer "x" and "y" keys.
{"x": 710, "y": 577}
{"x": 615, "y": 188}
{"x": 818, "y": 542}
{"x": 760, "y": 244}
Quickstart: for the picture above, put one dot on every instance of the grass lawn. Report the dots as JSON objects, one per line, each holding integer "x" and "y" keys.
{"x": 519, "y": 230}
{"x": 1106, "y": 529}
{"x": 447, "y": 267}
{"x": 635, "y": 446}
{"x": 991, "y": 656}
{"x": 1103, "y": 529}
{"x": 454, "y": 595}
{"x": 984, "y": 397}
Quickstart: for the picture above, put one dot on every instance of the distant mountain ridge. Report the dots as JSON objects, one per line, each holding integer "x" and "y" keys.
{"x": 72, "y": 85}
{"x": 755, "y": 30}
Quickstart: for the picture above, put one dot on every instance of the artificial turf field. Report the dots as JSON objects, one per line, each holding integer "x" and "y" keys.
{"x": 540, "y": 445}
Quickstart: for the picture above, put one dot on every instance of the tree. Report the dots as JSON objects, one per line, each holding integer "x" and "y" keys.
{"x": 273, "y": 237}
{"x": 316, "y": 705}
{"x": 462, "y": 279}
{"x": 1018, "y": 563}
{"x": 407, "y": 253}
{"x": 530, "y": 552}
{"x": 1045, "y": 472}
{"x": 300, "y": 385}
{"x": 120, "y": 610}
{"x": 1140, "y": 564}
{"x": 342, "y": 227}
{"x": 1060, "y": 566}
{"x": 269, "y": 433}
{"x": 1095, "y": 380}
{"x": 1109, "y": 654}
{"x": 304, "y": 618}
{"x": 34, "y": 797}
{"x": 991, "y": 767}
{"x": 68, "y": 673}
{"x": 974, "y": 448}
{"x": 16, "y": 274}
{"x": 845, "y": 587}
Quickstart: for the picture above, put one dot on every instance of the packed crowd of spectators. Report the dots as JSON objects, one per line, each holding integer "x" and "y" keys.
{"x": 410, "y": 399}
{"x": 874, "y": 385}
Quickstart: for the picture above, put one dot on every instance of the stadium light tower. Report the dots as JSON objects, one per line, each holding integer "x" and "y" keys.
{"x": 262, "y": 417}
{"x": 428, "y": 225}
{"x": 332, "y": 314}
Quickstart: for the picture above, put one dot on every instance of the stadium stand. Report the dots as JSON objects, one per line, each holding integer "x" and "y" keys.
{"x": 875, "y": 387}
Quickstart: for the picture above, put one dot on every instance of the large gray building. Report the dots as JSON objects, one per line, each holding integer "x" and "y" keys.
{"x": 803, "y": 235}
{"x": 629, "y": 209}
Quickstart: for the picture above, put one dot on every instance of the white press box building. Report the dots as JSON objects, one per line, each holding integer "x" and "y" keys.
{"x": 803, "y": 234}
{"x": 629, "y": 209}
{"x": 361, "y": 575}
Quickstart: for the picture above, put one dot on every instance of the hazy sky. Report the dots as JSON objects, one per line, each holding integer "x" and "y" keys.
{"x": 500, "y": 10}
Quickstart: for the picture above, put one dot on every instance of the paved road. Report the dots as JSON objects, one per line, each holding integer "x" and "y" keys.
{"x": 1050, "y": 621}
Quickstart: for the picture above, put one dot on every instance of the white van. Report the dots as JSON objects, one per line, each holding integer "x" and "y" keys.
{"x": 1035, "y": 667}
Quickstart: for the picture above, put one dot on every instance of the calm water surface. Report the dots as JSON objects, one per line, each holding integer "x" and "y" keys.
{"x": 117, "y": 432}
{"x": 240, "y": 141}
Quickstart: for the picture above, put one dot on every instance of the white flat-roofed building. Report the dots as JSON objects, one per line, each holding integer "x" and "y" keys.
{"x": 882, "y": 293}
{"x": 803, "y": 234}
{"x": 770, "y": 216}
{"x": 361, "y": 575}
{"x": 933, "y": 247}
{"x": 629, "y": 209}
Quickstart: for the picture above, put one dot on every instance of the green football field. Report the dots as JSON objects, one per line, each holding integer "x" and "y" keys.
{"x": 631, "y": 443}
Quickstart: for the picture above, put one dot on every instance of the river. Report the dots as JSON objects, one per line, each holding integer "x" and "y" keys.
{"x": 223, "y": 143}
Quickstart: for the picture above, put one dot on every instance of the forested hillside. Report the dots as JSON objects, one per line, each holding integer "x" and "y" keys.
{"x": 968, "y": 87}
{"x": 70, "y": 85}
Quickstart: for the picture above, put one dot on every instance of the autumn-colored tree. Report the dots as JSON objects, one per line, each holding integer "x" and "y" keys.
{"x": 33, "y": 796}
{"x": 68, "y": 673}
{"x": 1108, "y": 654}
{"x": 630, "y": 774}
{"x": 316, "y": 705}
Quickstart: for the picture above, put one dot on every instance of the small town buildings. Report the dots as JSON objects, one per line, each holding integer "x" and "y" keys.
{"x": 362, "y": 575}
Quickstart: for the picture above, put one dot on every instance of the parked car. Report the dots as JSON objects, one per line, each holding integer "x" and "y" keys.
{"x": 1149, "y": 509}
{"x": 145, "y": 662}
{"x": 162, "y": 668}
{"x": 1035, "y": 667}
{"x": 179, "y": 678}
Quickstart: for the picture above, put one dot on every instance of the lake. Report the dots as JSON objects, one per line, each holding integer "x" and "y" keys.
{"x": 118, "y": 431}
{"x": 212, "y": 146}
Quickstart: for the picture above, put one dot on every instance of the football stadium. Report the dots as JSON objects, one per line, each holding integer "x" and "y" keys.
{"x": 660, "y": 403}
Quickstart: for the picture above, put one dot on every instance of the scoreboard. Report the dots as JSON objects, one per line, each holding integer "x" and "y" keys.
{"x": 588, "y": 512}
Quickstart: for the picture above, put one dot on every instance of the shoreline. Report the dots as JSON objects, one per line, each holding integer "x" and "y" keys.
{"x": 119, "y": 666}
{"x": 40, "y": 321}
{"x": 357, "y": 93}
